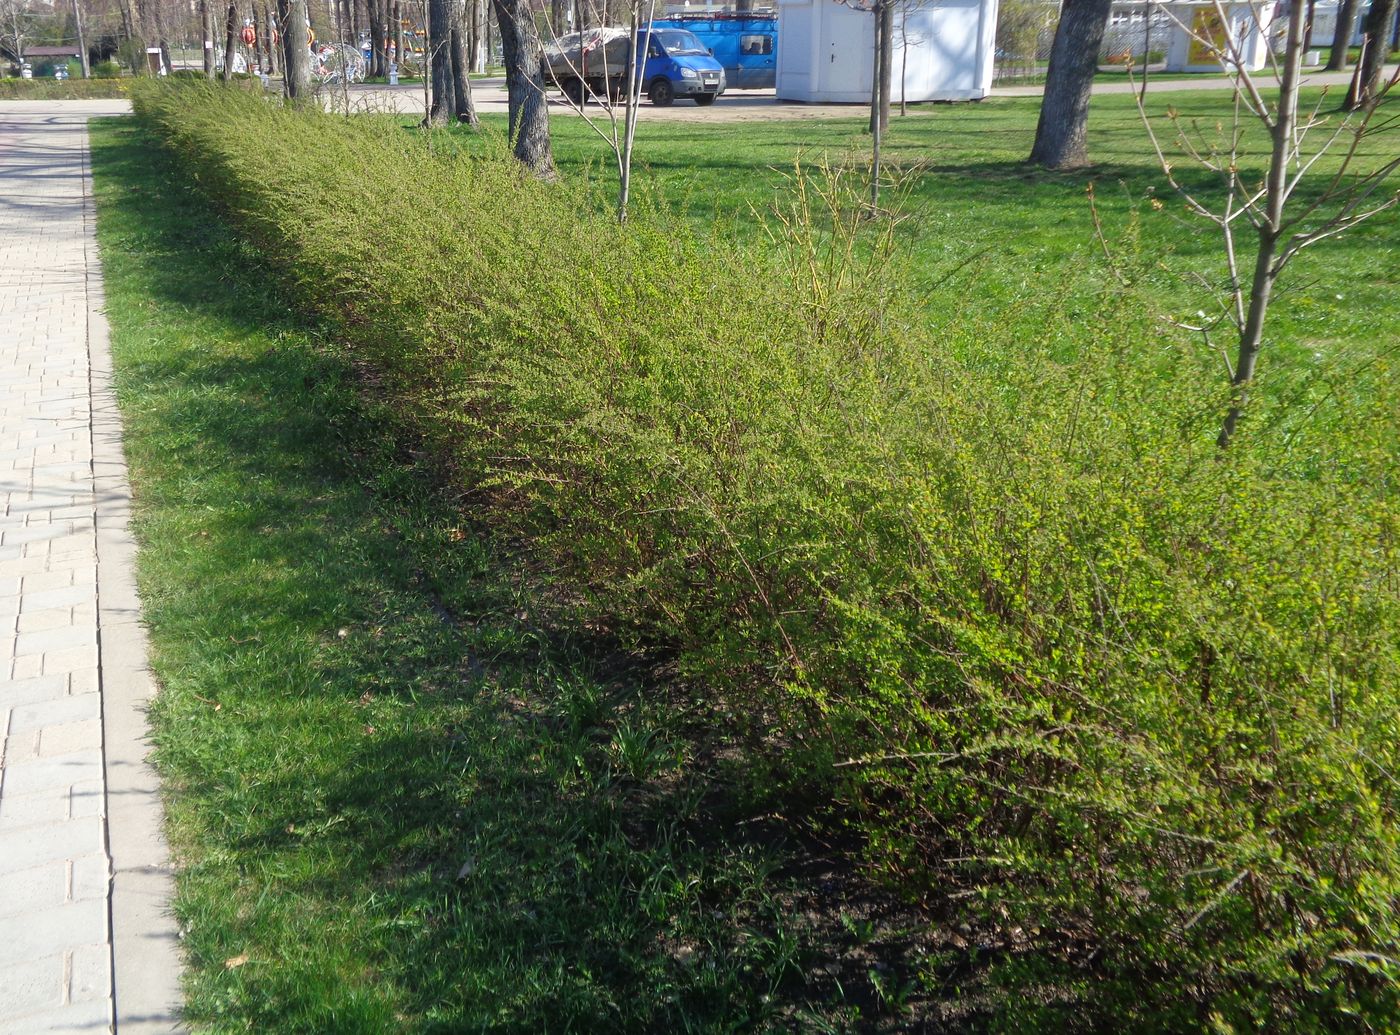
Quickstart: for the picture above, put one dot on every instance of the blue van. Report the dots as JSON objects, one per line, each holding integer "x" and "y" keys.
{"x": 680, "y": 65}
{"x": 595, "y": 62}
{"x": 746, "y": 45}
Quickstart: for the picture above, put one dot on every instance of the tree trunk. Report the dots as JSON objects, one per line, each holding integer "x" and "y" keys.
{"x": 886, "y": 61}
{"x": 206, "y": 20}
{"x": 1375, "y": 43}
{"x": 462, "y": 106}
{"x": 296, "y": 58}
{"x": 379, "y": 44}
{"x": 82, "y": 41}
{"x": 879, "y": 53}
{"x": 529, "y": 115}
{"x": 1341, "y": 36}
{"x": 230, "y": 35}
{"x": 1074, "y": 58}
{"x": 1308, "y": 29}
{"x": 129, "y": 22}
{"x": 396, "y": 33}
{"x": 1270, "y": 225}
{"x": 439, "y": 49}
{"x": 259, "y": 31}
{"x": 273, "y": 44}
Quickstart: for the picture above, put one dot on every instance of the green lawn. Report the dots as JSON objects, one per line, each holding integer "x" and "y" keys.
{"x": 1022, "y": 231}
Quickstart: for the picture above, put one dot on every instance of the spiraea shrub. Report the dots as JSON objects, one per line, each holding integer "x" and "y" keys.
{"x": 989, "y": 588}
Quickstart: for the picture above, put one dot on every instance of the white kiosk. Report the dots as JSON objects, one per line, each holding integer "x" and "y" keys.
{"x": 826, "y": 51}
{"x": 1199, "y": 38}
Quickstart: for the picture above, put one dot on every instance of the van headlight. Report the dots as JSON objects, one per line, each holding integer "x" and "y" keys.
{"x": 689, "y": 73}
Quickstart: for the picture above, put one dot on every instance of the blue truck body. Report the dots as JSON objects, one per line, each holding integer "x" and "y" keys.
{"x": 745, "y": 44}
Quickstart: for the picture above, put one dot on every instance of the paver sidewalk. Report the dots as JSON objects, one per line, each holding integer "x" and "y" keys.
{"x": 86, "y": 944}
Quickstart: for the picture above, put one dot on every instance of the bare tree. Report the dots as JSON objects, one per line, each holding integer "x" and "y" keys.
{"x": 1060, "y": 135}
{"x": 16, "y": 26}
{"x": 1283, "y": 224}
{"x": 586, "y": 58}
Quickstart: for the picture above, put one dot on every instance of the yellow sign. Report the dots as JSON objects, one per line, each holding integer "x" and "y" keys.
{"x": 1209, "y": 37}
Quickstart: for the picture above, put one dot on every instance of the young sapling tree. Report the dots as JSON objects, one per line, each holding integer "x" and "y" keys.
{"x": 1351, "y": 186}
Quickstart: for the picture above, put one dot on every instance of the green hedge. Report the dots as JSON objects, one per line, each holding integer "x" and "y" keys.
{"x": 63, "y": 90}
{"x": 999, "y": 599}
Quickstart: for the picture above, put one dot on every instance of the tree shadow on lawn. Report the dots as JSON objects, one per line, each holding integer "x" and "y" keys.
{"x": 398, "y": 808}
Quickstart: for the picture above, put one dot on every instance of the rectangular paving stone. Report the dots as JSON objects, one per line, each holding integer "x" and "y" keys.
{"x": 87, "y": 798}
{"x": 52, "y": 640}
{"x": 44, "y": 932}
{"x": 55, "y": 711}
{"x": 38, "y": 621}
{"x": 19, "y": 692}
{"x": 68, "y": 659}
{"x": 60, "y": 578}
{"x": 31, "y": 986}
{"x": 90, "y": 974}
{"x": 92, "y": 1017}
{"x": 47, "y": 599}
{"x": 70, "y": 737}
{"x": 36, "y": 775}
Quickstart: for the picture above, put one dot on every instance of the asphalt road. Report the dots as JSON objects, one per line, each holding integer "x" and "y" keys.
{"x": 737, "y": 106}
{"x": 746, "y": 105}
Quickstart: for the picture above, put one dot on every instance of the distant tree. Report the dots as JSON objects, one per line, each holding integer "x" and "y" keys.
{"x": 1375, "y": 44}
{"x": 462, "y": 105}
{"x": 1341, "y": 36}
{"x": 16, "y": 27}
{"x": 1060, "y": 137}
{"x": 449, "y": 64}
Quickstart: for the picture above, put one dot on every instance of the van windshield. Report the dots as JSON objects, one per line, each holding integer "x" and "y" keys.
{"x": 678, "y": 42}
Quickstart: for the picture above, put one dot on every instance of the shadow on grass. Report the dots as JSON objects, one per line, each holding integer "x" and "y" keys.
{"x": 398, "y": 802}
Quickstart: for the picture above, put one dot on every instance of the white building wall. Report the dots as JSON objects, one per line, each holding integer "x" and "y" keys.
{"x": 826, "y": 51}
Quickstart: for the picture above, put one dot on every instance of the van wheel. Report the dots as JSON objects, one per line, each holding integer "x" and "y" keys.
{"x": 704, "y": 99}
{"x": 662, "y": 93}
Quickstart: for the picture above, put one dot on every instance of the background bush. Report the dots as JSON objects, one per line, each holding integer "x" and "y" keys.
{"x": 997, "y": 597}
{"x": 57, "y": 90}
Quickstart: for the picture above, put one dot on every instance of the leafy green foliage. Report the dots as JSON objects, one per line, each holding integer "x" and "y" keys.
{"x": 993, "y": 590}
{"x": 399, "y": 803}
{"x": 99, "y": 87}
